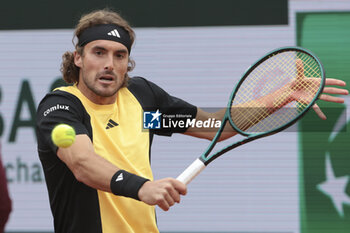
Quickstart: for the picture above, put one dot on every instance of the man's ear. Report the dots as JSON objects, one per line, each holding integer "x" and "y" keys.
{"x": 77, "y": 59}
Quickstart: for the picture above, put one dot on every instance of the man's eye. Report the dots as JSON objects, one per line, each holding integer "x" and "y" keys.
{"x": 98, "y": 53}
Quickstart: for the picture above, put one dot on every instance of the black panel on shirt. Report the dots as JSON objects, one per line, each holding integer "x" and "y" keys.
{"x": 74, "y": 205}
{"x": 152, "y": 97}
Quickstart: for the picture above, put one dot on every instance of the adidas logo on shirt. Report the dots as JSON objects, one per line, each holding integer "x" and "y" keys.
{"x": 111, "y": 124}
{"x": 114, "y": 33}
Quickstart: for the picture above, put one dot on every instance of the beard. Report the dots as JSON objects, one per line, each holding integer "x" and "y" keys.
{"x": 99, "y": 90}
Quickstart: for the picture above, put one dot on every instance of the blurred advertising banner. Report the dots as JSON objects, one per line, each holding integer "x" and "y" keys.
{"x": 325, "y": 156}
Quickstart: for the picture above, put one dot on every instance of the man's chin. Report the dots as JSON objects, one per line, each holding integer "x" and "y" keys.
{"x": 107, "y": 92}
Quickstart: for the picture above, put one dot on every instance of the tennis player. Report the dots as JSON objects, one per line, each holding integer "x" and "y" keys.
{"x": 103, "y": 182}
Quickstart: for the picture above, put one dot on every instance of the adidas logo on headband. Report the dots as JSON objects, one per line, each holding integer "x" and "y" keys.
{"x": 114, "y": 33}
{"x": 105, "y": 32}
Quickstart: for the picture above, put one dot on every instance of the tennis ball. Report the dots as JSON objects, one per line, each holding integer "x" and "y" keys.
{"x": 63, "y": 135}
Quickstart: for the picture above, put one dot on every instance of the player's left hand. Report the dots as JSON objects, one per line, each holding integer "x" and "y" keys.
{"x": 326, "y": 90}
{"x": 330, "y": 98}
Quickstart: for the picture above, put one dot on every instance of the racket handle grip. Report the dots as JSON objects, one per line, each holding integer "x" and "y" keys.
{"x": 191, "y": 172}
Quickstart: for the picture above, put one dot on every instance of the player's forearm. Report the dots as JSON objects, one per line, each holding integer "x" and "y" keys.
{"x": 90, "y": 169}
{"x": 252, "y": 112}
{"x": 95, "y": 172}
{"x": 98, "y": 173}
{"x": 246, "y": 115}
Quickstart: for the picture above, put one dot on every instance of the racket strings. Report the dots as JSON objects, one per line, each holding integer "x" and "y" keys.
{"x": 310, "y": 71}
{"x": 290, "y": 70}
{"x": 252, "y": 115}
{"x": 281, "y": 118}
{"x": 311, "y": 65}
{"x": 286, "y": 95}
{"x": 291, "y": 110}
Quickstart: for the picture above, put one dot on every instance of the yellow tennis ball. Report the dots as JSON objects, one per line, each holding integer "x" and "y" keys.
{"x": 63, "y": 135}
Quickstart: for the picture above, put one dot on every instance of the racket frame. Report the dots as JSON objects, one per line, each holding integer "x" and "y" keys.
{"x": 206, "y": 159}
{"x": 199, "y": 164}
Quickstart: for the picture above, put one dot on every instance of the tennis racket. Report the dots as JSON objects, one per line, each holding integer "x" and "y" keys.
{"x": 272, "y": 95}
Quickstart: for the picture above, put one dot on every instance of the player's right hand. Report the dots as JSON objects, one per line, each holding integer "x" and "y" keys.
{"x": 164, "y": 193}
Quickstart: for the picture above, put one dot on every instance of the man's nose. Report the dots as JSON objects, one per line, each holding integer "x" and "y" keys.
{"x": 109, "y": 64}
